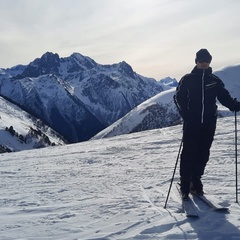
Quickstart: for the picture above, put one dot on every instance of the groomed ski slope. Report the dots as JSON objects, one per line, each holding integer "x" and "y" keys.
{"x": 115, "y": 188}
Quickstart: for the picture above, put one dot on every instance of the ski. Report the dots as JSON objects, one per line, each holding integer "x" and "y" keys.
{"x": 188, "y": 206}
{"x": 215, "y": 206}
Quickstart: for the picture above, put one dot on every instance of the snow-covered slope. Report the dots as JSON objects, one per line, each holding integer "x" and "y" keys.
{"x": 160, "y": 111}
{"x": 157, "y": 112}
{"x": 231, "y": 78}
{"x": 115, "y": 189}
{"x": 20, "y": 131}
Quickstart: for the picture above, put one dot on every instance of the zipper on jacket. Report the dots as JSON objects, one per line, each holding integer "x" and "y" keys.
{"x": 203, "y": 95}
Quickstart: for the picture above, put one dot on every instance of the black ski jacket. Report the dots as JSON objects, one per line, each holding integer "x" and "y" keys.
{"x": 196, "y": 96}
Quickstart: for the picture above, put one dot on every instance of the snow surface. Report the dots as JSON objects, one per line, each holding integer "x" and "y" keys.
{"x": 11, "y": 115}
{"x": 115, "y": 188}
{"x": 128, "y": 122}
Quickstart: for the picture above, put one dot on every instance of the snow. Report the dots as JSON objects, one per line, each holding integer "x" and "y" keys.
{"x": 128, "y": 122}
{"x": 115, "y": 188}
{"x": 11, "y": 115}
{"x": 230, "y": 76}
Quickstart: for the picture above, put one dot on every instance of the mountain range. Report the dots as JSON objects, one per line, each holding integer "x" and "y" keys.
{"x": 76, "y": 99}
{"x": 75, "y": 96}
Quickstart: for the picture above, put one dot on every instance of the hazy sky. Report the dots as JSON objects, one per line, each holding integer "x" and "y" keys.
{"x": 158, "y": 38}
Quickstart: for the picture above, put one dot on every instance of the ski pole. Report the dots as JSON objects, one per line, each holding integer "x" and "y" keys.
{"x": 173, "y": 173}
{"x": 236, "y": 153}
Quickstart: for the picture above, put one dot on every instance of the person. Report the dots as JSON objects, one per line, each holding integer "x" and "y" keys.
{"x": 195, "y": 98}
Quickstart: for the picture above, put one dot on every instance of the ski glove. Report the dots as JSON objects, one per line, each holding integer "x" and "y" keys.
{"x": 236, "y": 106}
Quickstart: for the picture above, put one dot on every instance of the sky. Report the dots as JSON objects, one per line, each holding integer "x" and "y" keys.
{"x": 158, "y": 38}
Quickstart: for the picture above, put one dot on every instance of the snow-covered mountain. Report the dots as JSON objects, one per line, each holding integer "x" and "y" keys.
{"x": 157, "y": 112}
{"x": 160, "y": 111}
{"x": 231, "y": 78}
{"x": 168, "y": 83}
{"x": 20, "y": 131}
{"x": 76, "y": 96}
{"x": 115, "y": 189}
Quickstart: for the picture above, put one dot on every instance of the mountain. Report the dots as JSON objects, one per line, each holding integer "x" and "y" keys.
{"x": 230, "y": 76}
{"x": 168, "y": 83}
{"x": 20, "y": 131}
{"x": 160, "y": 111}
{"x": 157, "y": 112}
{"x": 115, "y": 189}
{"x": 76, "y": 96}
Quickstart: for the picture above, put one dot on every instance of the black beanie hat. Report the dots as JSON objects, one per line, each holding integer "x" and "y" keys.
{"x": 203, "y": 56}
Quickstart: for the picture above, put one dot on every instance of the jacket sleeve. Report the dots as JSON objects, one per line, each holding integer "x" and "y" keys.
{"x": 225, "y": 98}
{"x": 181, "y": 98}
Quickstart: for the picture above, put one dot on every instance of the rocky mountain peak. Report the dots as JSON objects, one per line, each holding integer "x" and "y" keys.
{"x": 77, "y": 62}
{"x": 126, "y": 68}
{"x": 48, "y": 63}
{"x": 85, "y": 61}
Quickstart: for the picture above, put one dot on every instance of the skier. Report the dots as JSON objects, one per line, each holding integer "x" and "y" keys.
{"x": 195, "y": 99}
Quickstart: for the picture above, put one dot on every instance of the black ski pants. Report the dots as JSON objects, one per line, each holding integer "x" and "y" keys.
{"x": 197, "y": 141}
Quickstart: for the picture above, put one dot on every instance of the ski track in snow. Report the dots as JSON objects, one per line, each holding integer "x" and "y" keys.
{"x": 115, "y": 188}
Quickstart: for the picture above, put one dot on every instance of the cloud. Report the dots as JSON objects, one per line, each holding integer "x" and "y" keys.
{"x": 157, "y": 37}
